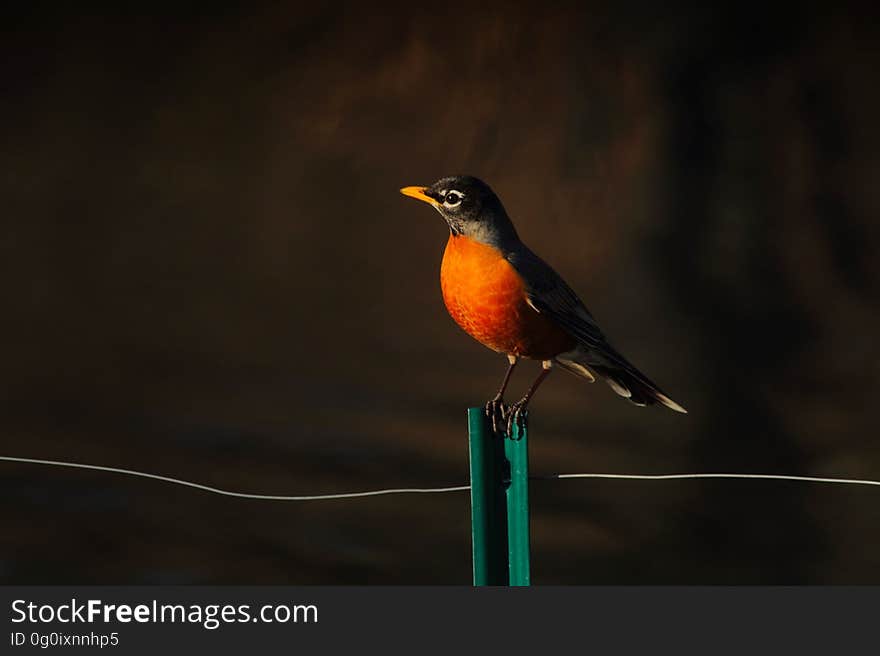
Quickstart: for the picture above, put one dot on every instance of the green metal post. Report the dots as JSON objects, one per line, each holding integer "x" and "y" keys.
{"x": 499, "y": 503}
{"x": 488, "y": 516}
{"x": 516, "y": 450}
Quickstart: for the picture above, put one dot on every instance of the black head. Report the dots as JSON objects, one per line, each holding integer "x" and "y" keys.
{"x": 470, "y": 207}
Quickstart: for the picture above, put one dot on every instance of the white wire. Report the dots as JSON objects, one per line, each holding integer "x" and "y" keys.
{"x": 670, "y": 477}
{"x": 426, "y": 490}
{"x": 240, "y": 495}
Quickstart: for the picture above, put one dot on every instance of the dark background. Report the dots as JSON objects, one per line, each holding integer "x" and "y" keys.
{"x": 208, "y": 273}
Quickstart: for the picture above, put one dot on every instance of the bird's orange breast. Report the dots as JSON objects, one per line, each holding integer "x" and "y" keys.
{"x": 486, "y": 296}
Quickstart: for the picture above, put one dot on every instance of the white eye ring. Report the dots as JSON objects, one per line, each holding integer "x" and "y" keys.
{"x": 452, "y": 198}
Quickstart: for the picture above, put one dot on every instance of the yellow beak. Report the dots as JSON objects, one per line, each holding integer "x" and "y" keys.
{"x": 419, "y": 194}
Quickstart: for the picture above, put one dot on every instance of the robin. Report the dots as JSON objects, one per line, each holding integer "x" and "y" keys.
{"x": 510, "y": 300}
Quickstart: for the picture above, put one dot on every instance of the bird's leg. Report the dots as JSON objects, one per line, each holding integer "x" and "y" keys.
{"x": 495, "y": 408}
{"x": 518, "y": 411}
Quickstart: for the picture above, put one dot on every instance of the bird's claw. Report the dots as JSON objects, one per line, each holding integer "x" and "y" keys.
{"x": 504, "y": 417}
{"x": 496, "y": 412}
{"x": 517, "y": 414}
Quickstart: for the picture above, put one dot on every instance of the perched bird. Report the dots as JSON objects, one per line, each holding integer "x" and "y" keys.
{"x": 510, "y": 300}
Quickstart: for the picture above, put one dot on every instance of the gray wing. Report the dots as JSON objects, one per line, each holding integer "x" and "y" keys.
{"x": 549, "y": 294}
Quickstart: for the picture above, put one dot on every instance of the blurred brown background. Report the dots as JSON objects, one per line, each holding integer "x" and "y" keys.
{"x": 208, "y": 273}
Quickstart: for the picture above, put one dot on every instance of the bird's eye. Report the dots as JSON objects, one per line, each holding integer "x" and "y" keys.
{"x": 452, "y": 198}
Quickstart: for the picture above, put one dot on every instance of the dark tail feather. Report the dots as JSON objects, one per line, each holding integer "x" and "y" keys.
{"x": 631, "y": 384}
